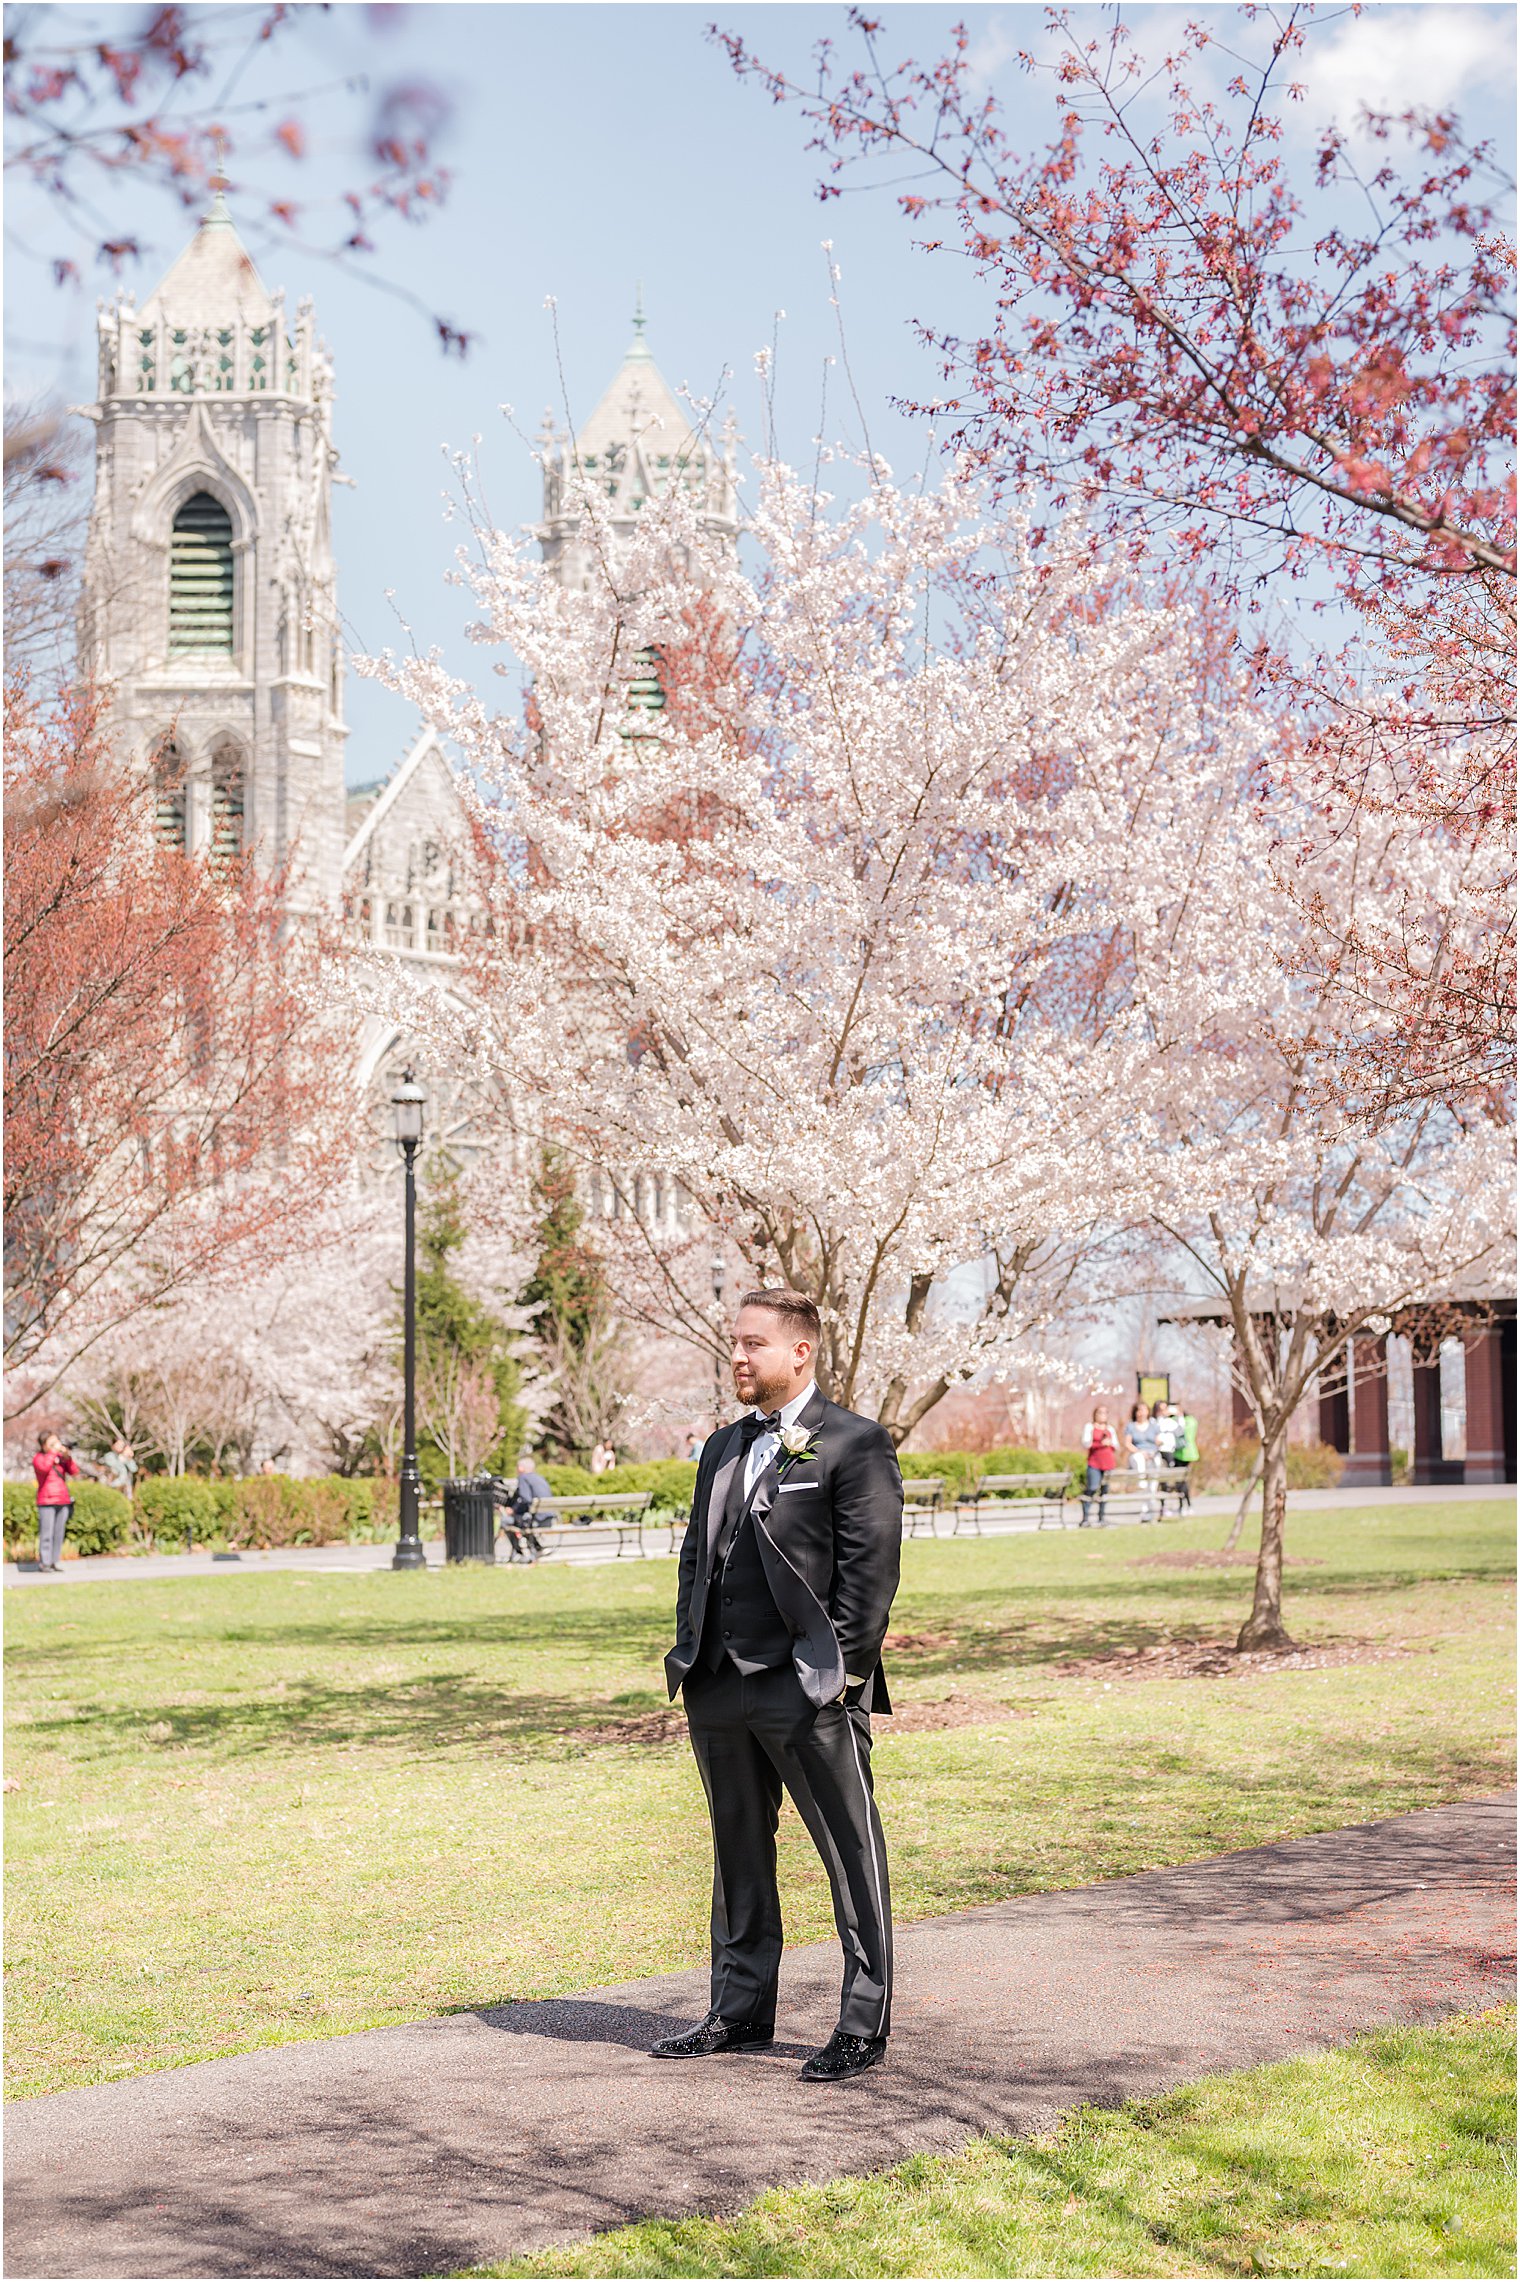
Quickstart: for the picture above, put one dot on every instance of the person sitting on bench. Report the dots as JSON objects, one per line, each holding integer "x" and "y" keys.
{"x": 529, "y": 1488}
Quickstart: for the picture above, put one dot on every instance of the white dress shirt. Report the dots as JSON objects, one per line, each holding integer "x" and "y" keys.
{"x": 765, "y": 1446}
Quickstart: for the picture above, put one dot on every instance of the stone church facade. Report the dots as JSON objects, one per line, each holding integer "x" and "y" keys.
{"x": 209, "y": 600}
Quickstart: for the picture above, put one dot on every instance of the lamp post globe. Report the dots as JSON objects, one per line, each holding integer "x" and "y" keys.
{"x": 407, "y": 1104}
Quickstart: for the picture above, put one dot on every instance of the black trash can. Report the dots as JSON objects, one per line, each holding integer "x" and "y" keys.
{"x": 469, "y": 1520}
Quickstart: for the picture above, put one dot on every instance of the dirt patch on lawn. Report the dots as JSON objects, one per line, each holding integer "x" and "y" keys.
{"x": 1216, "y": 1660}
{"x": 649, "y": 1730}
{"x": 953, "y": 1711}
{"x": 1218, "y": 1561}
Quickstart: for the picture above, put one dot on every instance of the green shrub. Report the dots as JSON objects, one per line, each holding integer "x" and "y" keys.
{"x": 101, "y": 1520}
{"x": 1314, "y": 1466}
{"x": 282, "y": 1509}
{"x": 181, "y": 1510}
{"x": 670, "y": 1480}
{"x": 569, "y": 1481}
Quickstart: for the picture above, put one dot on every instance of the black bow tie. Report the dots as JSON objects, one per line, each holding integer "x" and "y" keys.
{"x": 752, "y": 1428}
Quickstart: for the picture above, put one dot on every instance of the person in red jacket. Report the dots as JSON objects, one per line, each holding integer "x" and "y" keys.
{"x": 1102, "y": 1446}
{"x": 54, "y": 1467}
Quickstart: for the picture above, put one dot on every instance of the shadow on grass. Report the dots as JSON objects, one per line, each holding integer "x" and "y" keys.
{"x": 429, "y": 1715}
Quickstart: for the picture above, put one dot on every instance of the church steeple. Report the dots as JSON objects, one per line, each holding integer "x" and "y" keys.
{"x": 638, "y": 348}
{"x": 208, "y": 600}
{"x": 636, "y": 443}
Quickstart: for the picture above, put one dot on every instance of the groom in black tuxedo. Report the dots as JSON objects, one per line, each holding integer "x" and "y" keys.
{"x": 787, "y": 1575}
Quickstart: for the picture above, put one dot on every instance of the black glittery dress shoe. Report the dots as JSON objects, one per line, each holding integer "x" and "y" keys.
{"x": 844, "y": 2056}
{"x": 715, "y": 2035}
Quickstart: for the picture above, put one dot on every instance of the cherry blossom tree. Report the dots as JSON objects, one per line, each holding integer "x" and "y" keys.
{"x": 1306, "y": 1227}
{"x": 832, "y": 966}
{"x": 1279, "y": 371}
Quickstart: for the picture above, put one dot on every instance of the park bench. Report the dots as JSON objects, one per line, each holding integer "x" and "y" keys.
{"x": 922, "y": 1499}
{"x": 552, "y": 1519}
{"x": 992, "y": 1490}
{"x": 1126, "y": 1495}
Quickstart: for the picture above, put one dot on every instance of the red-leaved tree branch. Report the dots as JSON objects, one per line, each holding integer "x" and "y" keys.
{"x": 169, "y": 105}
{"x": 175, "y": 1112}
{"x": 1252, "y": 373}
{"x": 1172, "y": 331}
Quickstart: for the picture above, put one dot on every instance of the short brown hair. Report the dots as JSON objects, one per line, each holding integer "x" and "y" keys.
{"x": 794, "y": 1308}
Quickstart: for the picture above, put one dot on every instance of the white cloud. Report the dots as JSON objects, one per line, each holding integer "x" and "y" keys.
{"x": 1404, "y": 57}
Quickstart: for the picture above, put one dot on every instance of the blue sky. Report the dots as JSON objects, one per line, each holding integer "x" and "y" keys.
{"x": 595, "y": 147}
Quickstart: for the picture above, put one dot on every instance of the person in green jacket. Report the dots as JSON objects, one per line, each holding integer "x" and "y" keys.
{"x": 1185, "y": 1451}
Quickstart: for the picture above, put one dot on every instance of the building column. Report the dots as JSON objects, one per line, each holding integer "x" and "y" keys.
{"x": 1427, "y": 1462}
{"x": 1367, "y": 1463}
{"x": 1487, "y": 1458}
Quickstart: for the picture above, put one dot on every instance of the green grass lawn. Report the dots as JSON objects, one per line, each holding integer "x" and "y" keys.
{"x": 1394, "y": 2157}
{"x": 262, "y": 1807}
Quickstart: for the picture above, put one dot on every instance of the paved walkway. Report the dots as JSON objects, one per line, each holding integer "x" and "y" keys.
{"x": 126, "y": 1568}
{"x": 451, "y": 2142}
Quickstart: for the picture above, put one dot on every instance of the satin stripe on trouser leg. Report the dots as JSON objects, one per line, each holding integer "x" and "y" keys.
{"x": 824, "y": 1760}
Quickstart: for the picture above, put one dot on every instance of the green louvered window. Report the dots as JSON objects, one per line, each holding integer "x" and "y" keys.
{"x": 169, "y": 795}
{"x": 200, "y": 577}
{"x": 226, "y": 802}
{"x": 644, "y": 689}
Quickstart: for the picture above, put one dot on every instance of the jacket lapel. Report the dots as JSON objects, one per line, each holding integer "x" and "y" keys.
{"x": 717, "y": 1493}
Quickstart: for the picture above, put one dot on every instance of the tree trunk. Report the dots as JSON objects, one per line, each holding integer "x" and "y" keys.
{"x": 1263, "y": 1628}
{"x": 1238, "y": 1524}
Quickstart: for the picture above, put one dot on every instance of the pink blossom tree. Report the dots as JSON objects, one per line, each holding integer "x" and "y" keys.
{"x": 1306, "y": 1227}
{"x": 1282, "y": 373}
{"x": 828, "y": 960}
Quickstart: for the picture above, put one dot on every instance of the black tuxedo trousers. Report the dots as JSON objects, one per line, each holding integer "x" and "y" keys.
{"x": 756, "y": 1731}
{"x": 753, "y": 1734}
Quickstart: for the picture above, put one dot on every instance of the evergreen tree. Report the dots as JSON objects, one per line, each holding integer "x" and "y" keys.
{"x": 467, "y": 1371}
{"x": 575, "y": 1330}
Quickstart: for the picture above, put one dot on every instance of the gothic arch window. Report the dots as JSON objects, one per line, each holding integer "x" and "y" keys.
{"x": 169, "y": 794}
{"x": 200, "y": 578}
{"x": 228, "y": 798}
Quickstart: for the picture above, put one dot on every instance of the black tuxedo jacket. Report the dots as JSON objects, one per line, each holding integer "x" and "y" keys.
{"x": 829, "y": 1535}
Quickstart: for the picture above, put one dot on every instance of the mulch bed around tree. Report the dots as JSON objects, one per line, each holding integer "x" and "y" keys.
{"x": 1217, "y": 1561}
{"x": 1217, "y": 1660}
{"x": 668, "y": 1725}
{"x": 1161, "y": 1660}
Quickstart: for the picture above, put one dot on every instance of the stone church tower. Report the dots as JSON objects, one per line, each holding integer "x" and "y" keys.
{"x": 636, "y": 444}
{"x": 207, "y": 604}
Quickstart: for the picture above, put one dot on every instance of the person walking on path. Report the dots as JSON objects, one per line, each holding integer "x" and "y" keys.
{"x": 55, "y": 1467}
{"x": 1102, "y": 1446}
{"x": 788, "y": 1572}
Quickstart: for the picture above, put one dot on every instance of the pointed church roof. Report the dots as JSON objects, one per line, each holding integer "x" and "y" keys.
{"x": 640, "y": 403}
{"x": 214, "y": 278}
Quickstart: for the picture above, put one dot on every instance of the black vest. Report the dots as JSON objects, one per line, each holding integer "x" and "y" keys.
{"x": 741, "y": 1620}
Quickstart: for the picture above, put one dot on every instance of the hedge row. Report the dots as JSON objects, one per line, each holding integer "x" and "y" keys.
{"x": 172, "y": 1511}
{"x": 102, "y": 1518}
{"x": 672, "y": 1479}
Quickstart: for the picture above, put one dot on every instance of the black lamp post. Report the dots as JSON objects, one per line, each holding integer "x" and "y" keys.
{"x": 717, "y": 1277}
{"x": 407, "y": 1103}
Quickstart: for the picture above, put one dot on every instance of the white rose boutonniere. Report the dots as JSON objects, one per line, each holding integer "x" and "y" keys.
{"x": 797, "y": 1441}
